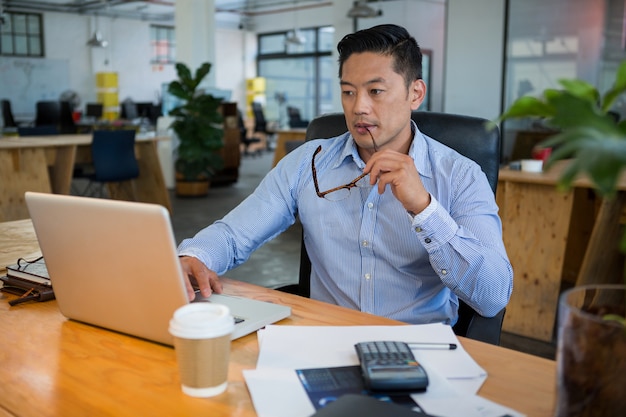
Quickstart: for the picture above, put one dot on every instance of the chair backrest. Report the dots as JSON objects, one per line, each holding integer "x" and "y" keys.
{"x": 260, "y": 124}
{"x": 113, "y": 155}
{"x": 37, "y": 130}
{"x": 7, "y": 114}
{"x": 48, "y": 113}
{"x": 470, "y": 137}
{"x": 129, "y": 110}
{"x": 465, "y": 134}
{"x": 295, "y": 119}
{"x": 66, "y": 118}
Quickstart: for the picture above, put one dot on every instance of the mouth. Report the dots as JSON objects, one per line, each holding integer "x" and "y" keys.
{"x": 364, "y": 128}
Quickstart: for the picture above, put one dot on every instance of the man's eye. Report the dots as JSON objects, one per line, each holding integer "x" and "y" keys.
{"x": 347, "y": 93}
{"x": 376, "y": 91}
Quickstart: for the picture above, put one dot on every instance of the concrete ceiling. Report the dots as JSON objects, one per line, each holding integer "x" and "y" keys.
{"x": 153, "y": 10}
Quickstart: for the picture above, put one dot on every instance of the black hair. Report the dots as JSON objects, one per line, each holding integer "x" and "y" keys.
{"x": 387, "y": 39}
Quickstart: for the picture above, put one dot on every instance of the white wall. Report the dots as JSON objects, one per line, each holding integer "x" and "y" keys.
{"x": 424, "y": 19}
{"x": 466, "y": 79}
{"x": 474, "y": 57}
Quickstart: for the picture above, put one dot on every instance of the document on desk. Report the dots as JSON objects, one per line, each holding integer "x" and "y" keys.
{"x": 276, "y": 390}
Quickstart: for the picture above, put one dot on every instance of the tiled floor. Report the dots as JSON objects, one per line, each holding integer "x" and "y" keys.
{"x": 276, "y": 263}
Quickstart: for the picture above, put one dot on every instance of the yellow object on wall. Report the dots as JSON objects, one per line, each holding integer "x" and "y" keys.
{"x": 107, "y": 93}
{"x": 255, "y": 91}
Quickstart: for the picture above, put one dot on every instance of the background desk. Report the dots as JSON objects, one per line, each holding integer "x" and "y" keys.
{"x": 554, "y": 239}
{"x": 50, "y": 366}
{"x": 284, "y": 136}
{"x": 46, "y": 164}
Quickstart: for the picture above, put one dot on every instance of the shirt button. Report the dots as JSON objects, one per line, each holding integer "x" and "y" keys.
{"x": 418, "y": 229}
{"x": 368, "y": 276}
{"x": 444, "y": 272}
{"x": 370, "y": 205}
{"x": 364, "y": 243}
{"x": 427, "y": 240}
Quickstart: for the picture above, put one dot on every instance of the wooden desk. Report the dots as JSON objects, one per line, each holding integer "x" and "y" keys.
{"x": 46, "y": 163}
{"x": 554, "y": 238}
{"x": 284, "y": 136}
{"x": 50, "y": 366}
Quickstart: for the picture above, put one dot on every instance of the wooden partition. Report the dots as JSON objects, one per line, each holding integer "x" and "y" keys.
{"x": 548, "y": 236}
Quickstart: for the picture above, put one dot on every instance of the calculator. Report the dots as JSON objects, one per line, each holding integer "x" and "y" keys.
{"x": 390, "y": 366}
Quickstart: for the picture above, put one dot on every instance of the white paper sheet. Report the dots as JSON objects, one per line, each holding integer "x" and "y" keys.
{"x": 276, "y": 391}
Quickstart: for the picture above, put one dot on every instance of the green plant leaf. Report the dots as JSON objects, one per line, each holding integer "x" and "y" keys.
{"x": 619, "y": 87}
{"x": 527, "y": 106}
{"x": 197, "y": 125}
{"x": 581, "y": 89}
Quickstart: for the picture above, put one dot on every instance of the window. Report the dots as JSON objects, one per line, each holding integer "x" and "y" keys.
{"x": 22, "y": 35}
{"x": 300, "y": 74}
{"x": 162, "y": 44}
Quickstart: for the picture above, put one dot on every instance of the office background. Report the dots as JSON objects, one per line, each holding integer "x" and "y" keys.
{"x": 485, "y": 53}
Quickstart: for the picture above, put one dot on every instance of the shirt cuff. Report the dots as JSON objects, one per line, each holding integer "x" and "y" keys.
{"x": 424, "y": 214}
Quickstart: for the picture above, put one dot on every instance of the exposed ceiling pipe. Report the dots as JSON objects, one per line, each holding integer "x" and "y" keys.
{"x": 105, "y": 8}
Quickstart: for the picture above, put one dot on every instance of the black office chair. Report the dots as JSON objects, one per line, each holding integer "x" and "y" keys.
{"x": 7, "y": 114}
{"x": 66, "y": 118}
{"x": 468, "y": 136}
{"x": 48, "y": 113}
{"x": 114, "y": 160}
{"x": 295, "y": 119}
{"x": 129, "y": 110}
{"x": 245, "y": 140}
{"x": 260, "y": 123}
{"x": 37, "y": 130}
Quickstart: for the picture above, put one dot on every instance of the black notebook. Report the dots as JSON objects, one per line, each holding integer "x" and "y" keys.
{"x": 34, "y": 271}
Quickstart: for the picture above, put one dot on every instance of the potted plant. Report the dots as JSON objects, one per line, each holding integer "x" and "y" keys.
{"x": 591, "y": 353}
{"x": 198, "y": 125}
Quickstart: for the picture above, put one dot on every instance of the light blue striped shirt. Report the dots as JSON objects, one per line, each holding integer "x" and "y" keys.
{"x": 366, "y": 251}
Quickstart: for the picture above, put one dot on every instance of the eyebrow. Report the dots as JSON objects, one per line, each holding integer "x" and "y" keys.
{"x": 372, "y": 81}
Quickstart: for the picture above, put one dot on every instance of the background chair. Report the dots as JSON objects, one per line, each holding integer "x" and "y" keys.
{"x": 245, "y": 140}
{"x": 37, "y": 130}
{"x": 48, "y": 113}
{"x": 295, "y": 120}
{"x": 66, "y": 119}
{"x": 7, "y": 114}
{"x": 114, "y": 162}
{"x": 260, "y": 124}
{"x": 468, "y": 136}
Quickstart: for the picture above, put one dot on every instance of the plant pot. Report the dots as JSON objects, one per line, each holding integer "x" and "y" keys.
{"x": 591, "y": 354}
{"x": 198, "y": 188}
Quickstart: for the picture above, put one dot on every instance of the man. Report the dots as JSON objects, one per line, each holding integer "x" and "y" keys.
{"x": 416, "y": 224}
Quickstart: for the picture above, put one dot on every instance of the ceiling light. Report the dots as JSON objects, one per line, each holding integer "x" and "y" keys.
{"x": 361, "y": 10}
{"x": 295, "y": 38}
{"x": 97, "y": 41}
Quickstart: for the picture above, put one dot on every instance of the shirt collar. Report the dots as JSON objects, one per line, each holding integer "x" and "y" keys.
{"x": 418, "y": 151}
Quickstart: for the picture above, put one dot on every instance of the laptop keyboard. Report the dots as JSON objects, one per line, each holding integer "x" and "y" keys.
{"x": 199, "y": 298}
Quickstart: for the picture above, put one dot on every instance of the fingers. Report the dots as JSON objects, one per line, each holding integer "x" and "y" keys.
{"x": 398, "y": 171}
{"x": 195, "y": 272}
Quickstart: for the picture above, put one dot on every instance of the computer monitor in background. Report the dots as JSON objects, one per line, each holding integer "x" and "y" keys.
{"x": 94, "y": 110}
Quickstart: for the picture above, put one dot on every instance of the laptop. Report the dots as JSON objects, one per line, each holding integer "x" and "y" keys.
{"x": 113, "y": 264}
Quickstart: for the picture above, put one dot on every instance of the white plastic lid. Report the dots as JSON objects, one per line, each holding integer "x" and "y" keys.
{"x": 201, "y": 320}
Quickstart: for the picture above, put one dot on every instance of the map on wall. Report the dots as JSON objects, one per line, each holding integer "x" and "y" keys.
{"x": 24, "y": 81}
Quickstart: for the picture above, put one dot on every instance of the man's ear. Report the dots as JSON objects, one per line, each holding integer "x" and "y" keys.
{"x": 417, "y": 93}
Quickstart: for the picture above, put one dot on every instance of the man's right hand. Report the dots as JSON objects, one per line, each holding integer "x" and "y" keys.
{"x": 207, "y": 280}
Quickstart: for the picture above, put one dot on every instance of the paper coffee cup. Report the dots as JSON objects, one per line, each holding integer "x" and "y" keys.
{"x": 532, "y": 165}
{"x": 202, "y": 334}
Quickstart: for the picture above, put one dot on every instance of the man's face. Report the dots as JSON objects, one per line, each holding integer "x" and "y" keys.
{"x": 375, "y": 98}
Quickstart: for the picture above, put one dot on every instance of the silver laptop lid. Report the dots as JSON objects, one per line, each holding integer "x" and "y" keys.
{"x": 113, "y": 264}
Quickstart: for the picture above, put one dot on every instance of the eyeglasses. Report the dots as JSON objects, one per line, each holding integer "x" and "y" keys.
{"x": 343, "y": 191}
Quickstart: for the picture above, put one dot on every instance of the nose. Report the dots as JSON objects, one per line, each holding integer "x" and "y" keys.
{"x": 361, "y": 104}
